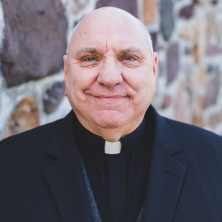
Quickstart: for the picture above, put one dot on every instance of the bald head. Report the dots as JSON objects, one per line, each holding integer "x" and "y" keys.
{"x": 110, "y": 15}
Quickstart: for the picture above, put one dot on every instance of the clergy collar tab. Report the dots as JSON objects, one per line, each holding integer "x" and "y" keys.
{"x": 112, "y": 147}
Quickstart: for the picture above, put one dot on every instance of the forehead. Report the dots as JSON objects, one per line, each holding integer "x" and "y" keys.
{"x": 110, "y": 32}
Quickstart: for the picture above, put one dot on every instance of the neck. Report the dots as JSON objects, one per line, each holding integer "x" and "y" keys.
{"x": 113, "y": 134}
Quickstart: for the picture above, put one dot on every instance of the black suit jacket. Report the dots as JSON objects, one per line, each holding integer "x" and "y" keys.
{"x": 42, "y": 181}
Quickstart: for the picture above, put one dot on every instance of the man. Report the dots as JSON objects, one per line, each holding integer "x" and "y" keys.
{"x": 113, "y": 158}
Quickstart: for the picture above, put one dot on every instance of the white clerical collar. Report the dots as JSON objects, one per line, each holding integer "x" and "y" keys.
{"x": 112, "y": 147}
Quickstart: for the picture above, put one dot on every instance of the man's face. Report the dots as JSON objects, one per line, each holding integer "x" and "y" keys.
{"x": 110, "y": 74}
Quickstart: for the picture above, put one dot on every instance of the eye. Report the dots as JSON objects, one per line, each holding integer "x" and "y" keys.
{"x": 129, "y": 58}
{"x": 89, "y": 59}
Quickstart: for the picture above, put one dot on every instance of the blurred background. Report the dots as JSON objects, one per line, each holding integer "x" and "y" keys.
{"x": 187, "y": 34}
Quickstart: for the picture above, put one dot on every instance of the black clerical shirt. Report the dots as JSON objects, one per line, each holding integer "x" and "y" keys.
{"x": 118, "y": 181}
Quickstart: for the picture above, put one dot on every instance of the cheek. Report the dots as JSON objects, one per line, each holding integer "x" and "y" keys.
{"x": 78, "y": 82}
{"x": 148, "y": 81}
{"x": 72, "y": 84}
{"x": 145, "y": 89}
{"x": 140, "y": 82}
{"x": 83, "y": 78}
{"x": 150, "y": 87}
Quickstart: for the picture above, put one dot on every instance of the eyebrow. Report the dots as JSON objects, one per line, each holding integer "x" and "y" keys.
{"x": 96, "y": 51}
{"x": 131, "y": 50}
{"x": 87, "y": 50}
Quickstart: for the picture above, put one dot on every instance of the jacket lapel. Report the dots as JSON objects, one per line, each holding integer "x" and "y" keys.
{"x": 165, "y": 176}
{"x": 64, "y": 176}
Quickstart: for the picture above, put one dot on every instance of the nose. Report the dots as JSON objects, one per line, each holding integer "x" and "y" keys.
{"x": 110, "y": 73}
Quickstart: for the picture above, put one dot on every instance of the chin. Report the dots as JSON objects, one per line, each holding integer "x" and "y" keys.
{"x": 113, "y": 119}
{"x": 110, "y": 123}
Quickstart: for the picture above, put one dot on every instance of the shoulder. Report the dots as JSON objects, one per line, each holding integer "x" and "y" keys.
{"x": 200, "y": 149}
{"x": 186, "y": 133}
{"x": 34, "y": 144}
{"x": 30, "y": 138}
{"x": 30, "y": 147}
{"x": 194, "y": 146}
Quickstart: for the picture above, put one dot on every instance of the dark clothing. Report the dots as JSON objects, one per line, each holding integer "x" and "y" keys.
{"x": 42, "y": 178}
{"x": 118, "y": 181}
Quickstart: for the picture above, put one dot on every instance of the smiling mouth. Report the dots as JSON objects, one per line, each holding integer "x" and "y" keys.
{"x": 111, "y": 98}
{"x": 108, "y": 97}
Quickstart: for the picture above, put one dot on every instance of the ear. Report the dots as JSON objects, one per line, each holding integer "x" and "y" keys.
{"x": 155, "y": 65}
{"x": 65, "y": 69}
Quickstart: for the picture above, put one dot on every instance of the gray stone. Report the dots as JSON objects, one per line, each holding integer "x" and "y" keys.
{"x": 172, "y": 62}
{"x": 201, "y": 2}
{"x": 167, "y": 18}
{"x": 187, "y": 12}
{"x": 53, "y": 97}
{"x": 212, "y": 86}
{"x": 127, "y": 5}
{"x": 154, "y": 40}
{"x": 35, "y": 39}
{"x": 187, "y": 50}
{"x": 210, "y": 68}
{"x": 161, "y": 68}
{"x": 214, "y": 2}
{"x": 215, "y": 119}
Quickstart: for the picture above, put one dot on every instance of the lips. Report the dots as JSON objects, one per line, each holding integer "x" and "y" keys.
{"x": 109, "y": 96}
{"x": 111, "y": 99}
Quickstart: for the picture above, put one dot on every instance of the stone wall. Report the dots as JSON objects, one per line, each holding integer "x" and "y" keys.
{"x": 187, "y": 34}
